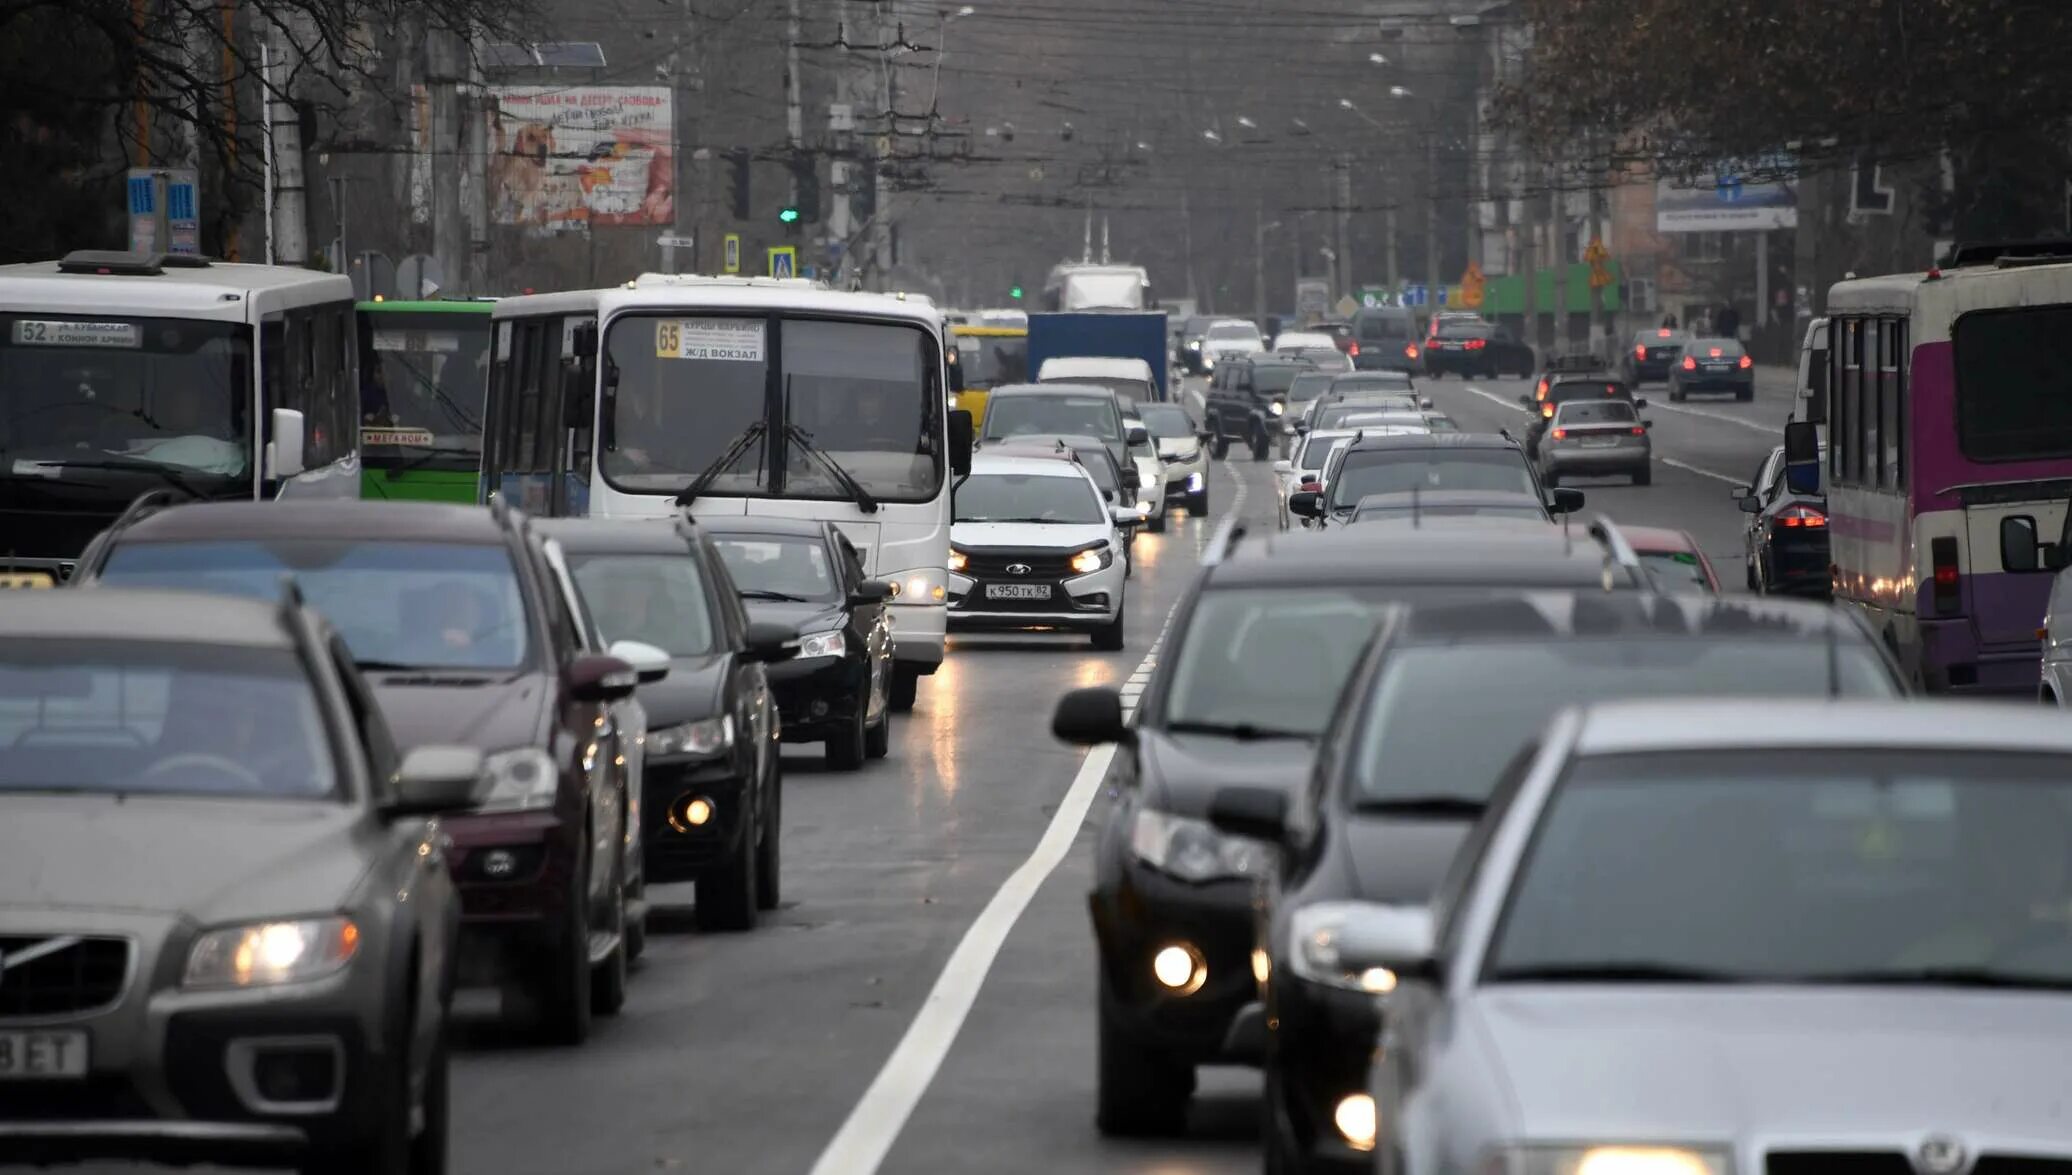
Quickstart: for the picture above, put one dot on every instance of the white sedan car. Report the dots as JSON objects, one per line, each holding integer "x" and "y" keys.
{"x": 1033, "y": 545}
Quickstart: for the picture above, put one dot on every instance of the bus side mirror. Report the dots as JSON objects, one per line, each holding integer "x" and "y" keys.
{"x": 584, "y": 342}
{"x": 284, "y": 451}
{"x": 1801, "y": 458}
{"x": 961, "y": 430}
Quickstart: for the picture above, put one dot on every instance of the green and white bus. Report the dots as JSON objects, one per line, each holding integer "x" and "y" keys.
{"x": 424, "y": 368}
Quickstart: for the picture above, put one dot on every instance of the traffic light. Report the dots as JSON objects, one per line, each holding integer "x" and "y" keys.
{"x": 787, "y": 215}
{"x": 739, "y": 159}
{"x": 805, "y": 186}
{"x": 1015, "y": 292}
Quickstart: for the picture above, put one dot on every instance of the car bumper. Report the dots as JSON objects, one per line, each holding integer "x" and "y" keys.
{"x": 1323, "y": 1043}
{"x": 1650, "y": 369}
{"x": 817, "y": 696}
{"x": 1082, "y": 602}
{"x": 1185, "y": 481}
{"x": 1436, "y": 361}
{"x": 515, "y": 870}
{"x": 1385, "y": 361}
{"x": 1146, "y": 912}
{"x": 917, "y": 636}
{"x": 1954, "y": 662}
{"x": 1569, "y": 458}
{"x": 1799, "y": 564}
{"x": 1714, "y": 383}
{"x": 191, "y": 1076}
{"x": 675, "y": 849}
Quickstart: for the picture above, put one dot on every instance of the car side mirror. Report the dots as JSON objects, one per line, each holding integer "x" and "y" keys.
{"x": 1260, "y": 813}
{"x": 1750, "y": 504}
{"x": 1125, "y": 515}
{"x": 650, "y": 664}
{"x": 871, "y": 591}
{"x": 1090, "y": 716}
{"x": 1284, "y": 467}
{"x": 961, "y": 442}
{"x": 1137, "y": 434}
{"x": 1131, "y": 479}
{"x": 1640, "y": 403}
{"x": 1565, "y": 501}
{"x": 1424, "y": 403}
{"x": 770, "y": 641}
{"x": 600, "y": 678}
{"x": 1302, "y": 426}
{"x": 284, "y": 451}
{"x": 435, "y": 779}
{"x": 1388, "y": 944}
{"x": 1203, "y": 435}
{"x": 2018, "y": 544}
{"x": 1802, "y": 458}
{"x": 1308, "y": 503}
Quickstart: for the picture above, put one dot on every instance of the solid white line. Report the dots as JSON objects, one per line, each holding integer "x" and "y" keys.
{"x": 1765, "y": 429}
{"x": 1687, "y": 467}
{"x": 875, "y": 1123}
{"x": 1493, "y": 398}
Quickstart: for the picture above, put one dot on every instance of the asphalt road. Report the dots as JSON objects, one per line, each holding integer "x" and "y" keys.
{"x": 923, "y": 1000}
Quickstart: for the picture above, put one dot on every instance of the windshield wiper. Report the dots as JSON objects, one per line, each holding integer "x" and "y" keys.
{"x": 1939, "y": 977}
{"x": 1241, "y": 731}
{"x": 852, "y": 487}
{"x": 1422, "y": 805}
{"x": 768, "y": 594}
{"x": 1615, "y": 973}
{"x": 750, "y": 435}
{"x": 165, "y": 473}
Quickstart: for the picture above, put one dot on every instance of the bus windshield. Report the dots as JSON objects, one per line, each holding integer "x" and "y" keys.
{"x": 422, "y": 380}
{"x": 685, "y": 395}
{"x": 156, "y": 391}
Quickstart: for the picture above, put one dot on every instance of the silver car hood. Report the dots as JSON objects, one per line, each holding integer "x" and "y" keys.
{"x": 1859, "y": 1067}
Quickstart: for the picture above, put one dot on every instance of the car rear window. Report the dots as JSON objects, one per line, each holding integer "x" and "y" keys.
{"x": 1581, "y": 389}
{"x": 1465, "y": 330}
{"x": 1383, "y": 326}
{"x": 1597, "y": 412}
{"x": 1714, "y": 348}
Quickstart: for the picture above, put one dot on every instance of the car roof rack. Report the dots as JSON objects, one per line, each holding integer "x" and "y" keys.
{"x": 1224, "y": 541}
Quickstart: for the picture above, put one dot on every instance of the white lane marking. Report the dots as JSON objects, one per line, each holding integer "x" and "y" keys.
{"x": 1765, "y": 429}
{"x": 1493, "y": 398}
{"x": 1687, "y": 467}
{"x": 875, "y": 1123}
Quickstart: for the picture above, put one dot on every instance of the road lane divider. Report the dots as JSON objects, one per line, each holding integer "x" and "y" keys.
{"x": 1687, "y": 467}
{"x": 1768, "y": 430}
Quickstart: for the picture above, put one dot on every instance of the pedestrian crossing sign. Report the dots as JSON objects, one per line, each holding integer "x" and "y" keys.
{"x": 733, "y": 253}
{"x": 784, "y": 261}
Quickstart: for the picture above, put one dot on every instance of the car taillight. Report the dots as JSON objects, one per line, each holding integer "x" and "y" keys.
{"x": 1547, "y": 411}
{"x": 1352, "y": 348}
{"x": 1541, "y": 391}
{"x": 1410, "y": 351}
{"x": 1560, "y": 434}
{"x": 1639, "y": 431}
{"x": 1747, "y": 362}
{"x": 1664, "y": 333}
{"x": 1802, "y": 516}
{"x": 1942, "y": 555}
{"x": 1690, "y": 364}
{"x": 1477, "y": 344}
{"x": 1640, "y": 351}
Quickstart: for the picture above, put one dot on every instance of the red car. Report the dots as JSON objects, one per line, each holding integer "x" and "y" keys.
{"x": 1675, "y": 559}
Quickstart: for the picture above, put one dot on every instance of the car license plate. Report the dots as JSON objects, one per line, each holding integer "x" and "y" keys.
{"x": 42, "y": 1056}
{"x": 1600, "y": 440}
{"x": 25, "y": 579}
{"x": 1018, "y": 591}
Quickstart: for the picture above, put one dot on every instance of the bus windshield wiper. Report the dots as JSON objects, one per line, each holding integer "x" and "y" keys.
{"x": 1981, "y": 977}
{"x": 166, "y": 473}
{"x": 1615, "y": 972}
{"x": 432, "y": 453}
{"x": 770, "y": 594}
{"x": 750, "y": 435}
{"x": 1433, "y": 805}
{"x": 852, "y": 487}
{"x": 1241, "y": 731}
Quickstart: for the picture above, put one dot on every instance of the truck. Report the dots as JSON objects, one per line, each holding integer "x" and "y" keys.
{"x": 1112, "y": 334}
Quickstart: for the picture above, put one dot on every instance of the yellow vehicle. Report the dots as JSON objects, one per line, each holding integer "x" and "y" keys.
{"x": 990, "y": 356}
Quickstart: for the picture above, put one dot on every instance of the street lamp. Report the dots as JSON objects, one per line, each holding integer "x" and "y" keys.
{"x": 942, "y": 50}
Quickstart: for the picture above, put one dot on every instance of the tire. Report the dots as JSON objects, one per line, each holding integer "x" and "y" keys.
{"x": 906, "y": 688}
{"x": 608, "y": 979}
{"x": 1219, "y": 444}
{"x": 877, "y": 740}
{"x": 1140, "y": 1092}
{"x": 428, "y": 1150}
{"x": 1156, "y": 524}
{"x": 636, "y": 928}
{"x": 1108, "y": 638}
{"x": 1261, "y": 447}
{"x": 727, "y": 892}
{"x": 1643, "y": 476}
{"x": 390, "y": 1147}
{"x": 1755, "y": 585}
{"x": 562, "y": 994}
{"x": 1676, "y": 394}
{"x": 848, "y": 747}
{"x": 1746, "y": 396}
{"x": 769, "y": 874}
{"x": 1198, "y": 503}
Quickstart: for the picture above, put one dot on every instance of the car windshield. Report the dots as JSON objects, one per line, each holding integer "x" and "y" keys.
{"x": 1268, "y": 658}
{"x": 1402, "y": 509}
{"x": 427, "y": 605}
{"x": 1404, "y": 417}
{"x": 1028, "y": 497}
{"x": 1398, "y": 471}
{"x": 1225, "y": 332}
{"x": 1378, "y": 381}
{"x": 1562, "y": 393}
{"x": 1316, "y": 451}
{"x": 683, "y": 391}
{"x": 1444, "y": 719}
{"x": 2010, "y": 372}
{"x": 1463, "y": 329}
{"x": 165, "y": 391}
{"x": 1714, "y": 348}
{"x": 1129, "y": 388}
{"x": 992, "y": 360}
{"x": 160, "y": 718}
{"x": 1873, "y": 866}
{"x": 1167, "y": 422}
{"x": 1053, "y": 414}
{"x": 1381, "y": 327}
{"x": 1675, "y": 571}
{"x": 1596, "y": 412}
{"x": 422, "y": 381}
{"x": 1308, "y": 386}
{"x": 657, "y": 599}
{"x": 791, "y": 565}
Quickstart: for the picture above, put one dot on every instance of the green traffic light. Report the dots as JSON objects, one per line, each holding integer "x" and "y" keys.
{"x": 1015, "y": 293}
{"x": 789, "y": 216}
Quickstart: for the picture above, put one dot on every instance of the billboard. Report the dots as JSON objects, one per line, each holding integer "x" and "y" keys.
{"x": 1728, "y": 201}
{"x": 572, "y": 157}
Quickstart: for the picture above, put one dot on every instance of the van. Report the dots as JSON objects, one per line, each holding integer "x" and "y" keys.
{"x": 1387, "y": 339}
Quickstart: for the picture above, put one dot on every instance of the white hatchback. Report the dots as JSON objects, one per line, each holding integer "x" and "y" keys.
{"x": 1033, "y": 545}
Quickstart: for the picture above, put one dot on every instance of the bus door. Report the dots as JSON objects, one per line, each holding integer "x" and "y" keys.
{"x": 574, "y": 392}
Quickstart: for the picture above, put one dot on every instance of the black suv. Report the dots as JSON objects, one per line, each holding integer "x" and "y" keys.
{"x": 1418, "y": 744}
{"x": 1247, "y": 398}
{"x": 711, "y": 796}
{"x": 1425, "y": 463}
{"x": 1262, "y": 641}
{"x": 458, "y": 622}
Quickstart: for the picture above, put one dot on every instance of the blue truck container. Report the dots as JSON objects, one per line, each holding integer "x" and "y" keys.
{"x": 1115, "y": 334}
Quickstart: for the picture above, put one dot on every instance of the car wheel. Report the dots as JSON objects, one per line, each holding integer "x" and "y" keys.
{"x": 1676, "y": 393}
{"x": 906, "y": 688}
{"x": 1156, "y": 524}
{"x": 1140, "y": 1091}
{"x": 1755, "y": 583}
{"x": 562, "y": 992}
{"x": 1219, "y": 444}
{"x": 1643, "y": 476}
{"x": 727, "y": 891}
{"x": 768, "y": 859}
{"x": 847, "y": 747}
{"x": 385, "y": 1144}
{"x": 1198, "y": 503}
{"x": 636, "y": 925}
{"x": 428, "y": 1150}
{"x": 608, "y": 978}
{"x": 1108, "y": 637}
{"x": 1260, "y": 448}
{"x": 877, "y": 740}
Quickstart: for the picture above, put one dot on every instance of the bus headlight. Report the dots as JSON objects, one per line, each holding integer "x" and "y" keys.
{"x": 921, "y": 585}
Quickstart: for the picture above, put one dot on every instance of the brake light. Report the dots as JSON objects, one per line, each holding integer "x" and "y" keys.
{"x": 1540, "y": 393}
{"x": 1640, "y": 351}
{"x": 1477, "y": 344}
{"x": 1560, "y": 434}
{"x": 1639, "y": 431}
{"x": 1747, "y": 362}
{"x": 1716, "y": 353}
{"x": 1352, "y": 348}
{"x": 1690, "y": 364}
{"x": 1410, "y": 351}
{"x": 1664, "y": 333}
{"x": 1611, "y": 389}
{"x": 1942, "y": 555}
{"x": 1808, "y": 516}
{"x": 1547, "y": 411}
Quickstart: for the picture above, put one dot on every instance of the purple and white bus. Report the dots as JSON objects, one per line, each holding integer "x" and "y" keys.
{"x": 1949, "y": 459}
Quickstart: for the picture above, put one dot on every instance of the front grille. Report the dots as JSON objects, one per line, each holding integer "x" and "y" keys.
{"x": 59, "y": 974}
{"x": 1838, "y": 1163}
{"x": 94, "y": 1098}
{"x": 2021, "y": 1165}
{"x": 1041, "y": 565}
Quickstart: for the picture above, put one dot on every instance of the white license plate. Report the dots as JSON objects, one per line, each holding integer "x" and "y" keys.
{"x": 1600, "y": 440}
{"x": 1018, "y": 591}
{"x": 38, "y": 1056}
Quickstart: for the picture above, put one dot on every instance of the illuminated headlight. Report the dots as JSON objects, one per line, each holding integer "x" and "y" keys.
{"x": 822, "y": 644}
{"x": 1090, "y": 561}
{"x": 1277, "y": 407}
{"x": 1191, "y": 850}
{"x": 1314, "y": 935}
{"x": 1612, "y": 1160}
{"x": 1143, "y": 509}
{"x": 1194, "y": 344}
{"x": 522, "y": 779}
{"x": 1208, "y": 361}
{"x": 959, "y": 561}
{"x": 705, "y": 737}
{"x": 265, "y": 953}
{"x": 922, "y": 585}
{"x": 1194, "y": 481}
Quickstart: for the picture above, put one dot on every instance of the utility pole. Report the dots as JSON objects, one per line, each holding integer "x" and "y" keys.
{"x": 1345, "y": 226}
{"x": 1434, "y": 279}
{"x": 478, "y": 108}
{"x": 794, "y": 117}
{"x": 290, "y": 204}
{"x": 449, "y": 226}
{"x": 1259, "y": 260}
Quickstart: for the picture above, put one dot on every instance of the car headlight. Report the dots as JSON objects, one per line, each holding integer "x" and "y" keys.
{"x": 1193, "y": 345}
{"x": 959, "y": 560}
{"x": 705, "y": 737}
{"x": 1276, "y": 407}
{"x": 1089, "y": 561}
{"x": 1314, "y": 934}
{"x": 521, "y": 779}
{"x": 921, "y": 585}
{"x": 264, "y": 953}
{"x": 1649, "y": 1159}
{"x": 822, "y": 644}
{"x": 1191, "y": 850}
